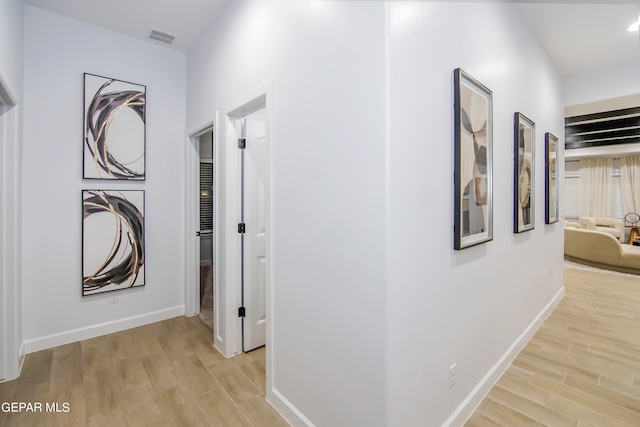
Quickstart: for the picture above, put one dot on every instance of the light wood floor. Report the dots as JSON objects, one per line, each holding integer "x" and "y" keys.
{"x": 164, "y": 374}
{"x": 582, "y": 367}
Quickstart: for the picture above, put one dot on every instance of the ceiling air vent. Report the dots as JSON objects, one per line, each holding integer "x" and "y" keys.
{"x": 161, "y": 36}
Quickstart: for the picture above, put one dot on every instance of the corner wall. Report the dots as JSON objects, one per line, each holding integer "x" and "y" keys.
{"x": 11, "y": 70}
{"x": 370, "y": 303}
{"x": 58, "y": 51}
{"x": 472, "y": 307}
{"x": 326, "y": 61}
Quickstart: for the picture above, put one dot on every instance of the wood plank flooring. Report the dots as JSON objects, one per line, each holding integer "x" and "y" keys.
{"x": 164, "y": 374}
{"x": 582, "y": 367}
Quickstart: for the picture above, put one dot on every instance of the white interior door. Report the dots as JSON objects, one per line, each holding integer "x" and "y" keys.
{"x": 254, "y": 334}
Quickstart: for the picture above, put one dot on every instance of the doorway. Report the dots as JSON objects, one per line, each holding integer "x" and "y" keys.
{"x": 227, "y": 289}
{"x": 206, "y": 230}
{"x": 247, "y": 303}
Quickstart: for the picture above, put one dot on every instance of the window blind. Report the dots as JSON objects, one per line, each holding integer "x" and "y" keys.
{"x": 206, "y": 197}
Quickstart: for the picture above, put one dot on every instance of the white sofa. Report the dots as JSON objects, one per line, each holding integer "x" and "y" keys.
{"x": 600, "y": 250}
{"x": 613, "y": 226}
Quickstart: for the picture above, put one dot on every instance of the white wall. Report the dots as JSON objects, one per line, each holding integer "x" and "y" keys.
{"x": 467, "y": 307}
{"x": 326, "y": 60}
{"x": 371, "y": 304}
{"x": 57, "y": 52}
{"x": 11, "y": 43}
{"x": 11, "y": 69}
{"x": 603, "y": 84}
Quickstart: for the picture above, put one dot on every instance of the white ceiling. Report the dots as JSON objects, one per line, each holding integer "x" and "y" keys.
{"x": 585, "y": 37}
{"x": 579, "y": 35}
{"x": 185, "y": 19}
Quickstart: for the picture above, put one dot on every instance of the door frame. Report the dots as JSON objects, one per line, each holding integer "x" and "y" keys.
{"x": 227, "y": 337}
{"x": 228, "y": 258}
{"x": 192, "y": 218}
{"x": 11, "y": 345}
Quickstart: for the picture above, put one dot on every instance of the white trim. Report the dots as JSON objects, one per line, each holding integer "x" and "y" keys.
{"x": 469, "y": 405}
{"x": 270, "y": 342}
{"x": 50, "y": 341}
{"x": 218, "y": 238}
{"x": 191, "y": 223}
{"x": 11, "y": 230}
{"x": 200, "y": 130}
{"x": 229, "y": 334}
{"x": 227, "y": 258}
{"x": 190, "y": 228}
{"x": 287, "y": 410}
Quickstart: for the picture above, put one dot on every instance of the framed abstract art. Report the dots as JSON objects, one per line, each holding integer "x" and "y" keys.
{"x": 523, "y": 174}
{"x": 113, "y": 248}
{"x": 551, "y": 182}
{"x": 114, "y": 129}
{"x": 473, "y": 161}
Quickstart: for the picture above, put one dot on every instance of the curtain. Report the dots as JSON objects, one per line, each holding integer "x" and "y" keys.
{"x": 630, "y": 183}
{"x": 596, "y": 176}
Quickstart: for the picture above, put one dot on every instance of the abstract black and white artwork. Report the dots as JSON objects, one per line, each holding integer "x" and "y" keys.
{"x": 473, "y": 164}
{"x": 524, "y": 178}
{"x": 114, "y": 129}
{"x": 551, "y": 182}
{"x": 113, "y": 250}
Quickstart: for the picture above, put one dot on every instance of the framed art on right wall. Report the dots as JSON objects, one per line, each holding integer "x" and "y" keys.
{"x": 524, "y": 177}
{"x": 473, "y": 163}
{"x": 551, "y": 182}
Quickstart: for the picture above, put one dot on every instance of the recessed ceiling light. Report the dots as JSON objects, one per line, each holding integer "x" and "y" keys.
{"x": 635, "y": 26}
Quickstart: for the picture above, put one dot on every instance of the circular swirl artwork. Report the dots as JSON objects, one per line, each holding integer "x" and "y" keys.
{"x": 112, "y": 240}
{"x": 114, "y": 129}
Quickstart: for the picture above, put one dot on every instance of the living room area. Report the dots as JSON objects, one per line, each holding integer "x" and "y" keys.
{"x": 602, "y": 184}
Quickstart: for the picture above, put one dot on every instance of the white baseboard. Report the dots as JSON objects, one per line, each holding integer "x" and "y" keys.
{"x": 287, "y": 410}
{"x": 50, "y": 341}
{"x": 469, "y": 405}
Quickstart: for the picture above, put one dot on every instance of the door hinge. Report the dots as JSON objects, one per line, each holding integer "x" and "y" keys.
{"x": 241, "y": 312}
{"x": 242, "y": 143}
{"x": 241, "y": 227}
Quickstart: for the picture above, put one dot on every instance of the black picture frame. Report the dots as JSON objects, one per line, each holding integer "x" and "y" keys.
{"x": 473, "y": 161}
{"x": 551, "y": 181}
{"x": 114, "y": 129}
{"x": 113, "y": 240}
{"x": 524, "y": 206}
